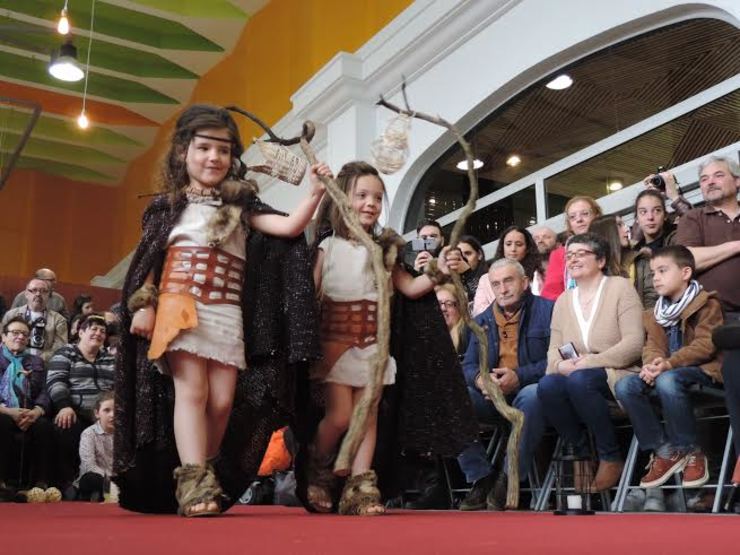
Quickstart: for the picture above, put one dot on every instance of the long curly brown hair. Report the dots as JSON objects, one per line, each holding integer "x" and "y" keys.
{"x": 174, "y": 176}
{"x": 328, "y": 217}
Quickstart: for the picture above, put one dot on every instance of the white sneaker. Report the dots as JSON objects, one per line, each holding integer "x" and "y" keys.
{"x": 654, "y": 501}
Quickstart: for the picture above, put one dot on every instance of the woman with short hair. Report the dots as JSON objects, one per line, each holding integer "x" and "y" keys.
{"x": 596, "y": 339}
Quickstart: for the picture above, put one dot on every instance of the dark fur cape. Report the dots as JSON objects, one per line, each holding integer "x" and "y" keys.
{"x": 428, "y": 409}
{"x": 280, "y": 335}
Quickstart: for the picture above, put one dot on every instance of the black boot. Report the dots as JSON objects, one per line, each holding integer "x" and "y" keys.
{"x": 475, "y": 500}
{"x": 433, "y": 493}
{"x": 496, "y": 500}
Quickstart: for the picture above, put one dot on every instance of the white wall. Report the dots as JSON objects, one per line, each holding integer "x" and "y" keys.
{"x": 462, "y": 59}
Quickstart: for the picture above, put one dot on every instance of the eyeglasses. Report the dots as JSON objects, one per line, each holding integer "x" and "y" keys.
{"x": 447, "y": 304}
{"x": 18, "y": 333}
{"x": 582, "y": 253}
{"x": 38, "y": 291}
{"x": 573, "y": 216}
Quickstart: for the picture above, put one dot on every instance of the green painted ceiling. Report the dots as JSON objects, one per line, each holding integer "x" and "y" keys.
{"x": 145, "y": 60}
{"x": 63, "y": 130}
{"x": 120, "y": 23}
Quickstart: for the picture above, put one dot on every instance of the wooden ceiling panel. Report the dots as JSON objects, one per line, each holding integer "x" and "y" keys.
{"x": 614, "y": 89}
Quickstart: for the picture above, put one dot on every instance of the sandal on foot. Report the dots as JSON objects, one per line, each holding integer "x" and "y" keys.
{"x": 361, "y": 496}
{"x": 32, "y": 495}
{"x": 197, "y": 485}
{"x": 320, "y": 482}
{"x": 52, "y": 495}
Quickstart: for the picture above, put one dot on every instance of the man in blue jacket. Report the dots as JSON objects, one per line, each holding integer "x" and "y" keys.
{"x": 518, "y": 328}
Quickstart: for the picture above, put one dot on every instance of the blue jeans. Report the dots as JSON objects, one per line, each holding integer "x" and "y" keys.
{"x": 579, "y": 399}
{"x": 672, "y": 390}
{"x": 473, "y": 461}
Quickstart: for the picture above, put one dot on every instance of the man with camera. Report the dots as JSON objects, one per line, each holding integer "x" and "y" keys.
{"x": 428, "y": 243}
{"x": 56, "y": 301}
{"x": 48, "y": 327}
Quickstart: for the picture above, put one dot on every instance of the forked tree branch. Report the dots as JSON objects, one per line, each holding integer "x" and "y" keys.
{"x": 492, "y": 389}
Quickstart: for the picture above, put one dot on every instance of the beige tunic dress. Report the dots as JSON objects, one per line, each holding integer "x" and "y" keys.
{"x": 346, "y": 276}
{"x": 219, "y": 334}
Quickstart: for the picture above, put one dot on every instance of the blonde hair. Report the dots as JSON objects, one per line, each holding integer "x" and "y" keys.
{"x": 457, "y": 329}
{"x": 593, "y": 205}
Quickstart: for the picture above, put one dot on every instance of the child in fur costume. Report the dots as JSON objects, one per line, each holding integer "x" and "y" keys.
{"x": 348, "y": 336}
{"x": 190, "y": 304}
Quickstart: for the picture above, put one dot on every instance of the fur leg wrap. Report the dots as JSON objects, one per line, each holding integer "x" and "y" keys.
{"x": 321, "y": 481}
{"x": 361, "y": 495}
{"x": 197, "y": 484}
{"x": 144, "y": 296}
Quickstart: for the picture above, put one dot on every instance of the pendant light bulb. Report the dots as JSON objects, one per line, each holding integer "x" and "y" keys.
{"x": 82, "y": 121}
{"x": 63, "y": 25}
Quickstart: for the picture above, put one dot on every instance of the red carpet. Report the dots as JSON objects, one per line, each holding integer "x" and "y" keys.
{"x": 83, "y": 528}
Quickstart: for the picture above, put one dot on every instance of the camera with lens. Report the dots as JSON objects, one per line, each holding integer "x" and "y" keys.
{"x": 657, "y": 180}
{"x": 37, "y": 337}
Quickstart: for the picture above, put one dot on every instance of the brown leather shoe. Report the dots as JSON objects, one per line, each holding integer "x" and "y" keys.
{"x": 696, "y": 471}
{"x": 608, "y": 474}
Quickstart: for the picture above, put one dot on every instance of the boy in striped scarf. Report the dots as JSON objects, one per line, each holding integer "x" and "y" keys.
{"x": 678, "y": 353}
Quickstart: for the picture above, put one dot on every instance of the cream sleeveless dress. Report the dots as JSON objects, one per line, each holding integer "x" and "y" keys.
{"x": 219, "y": 334}
{"x": 346, "y": 276}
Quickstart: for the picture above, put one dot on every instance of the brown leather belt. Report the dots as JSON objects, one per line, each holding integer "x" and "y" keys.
{"x": 349, "y": 322}
{"x": 209, "y": 275}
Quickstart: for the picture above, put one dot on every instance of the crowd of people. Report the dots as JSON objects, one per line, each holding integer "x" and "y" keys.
{"x": 631, "y": 327}
{"x": 214, "y": 351}
{"x": 52, "y": 382}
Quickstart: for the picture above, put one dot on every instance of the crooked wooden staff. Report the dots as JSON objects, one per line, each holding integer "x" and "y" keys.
{"x": 371, "y": 395}
{"x": 492, "y": 389}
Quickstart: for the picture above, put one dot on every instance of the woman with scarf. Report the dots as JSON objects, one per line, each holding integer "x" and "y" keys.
{"x": 26, "y": 434}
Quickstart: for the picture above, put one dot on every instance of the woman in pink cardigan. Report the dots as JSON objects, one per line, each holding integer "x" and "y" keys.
{"x": 596, "y": 338}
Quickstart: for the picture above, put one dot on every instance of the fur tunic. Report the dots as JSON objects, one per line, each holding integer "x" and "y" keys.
{"x": 280, "y": 334}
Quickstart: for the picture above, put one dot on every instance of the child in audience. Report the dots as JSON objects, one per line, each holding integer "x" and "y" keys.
{"x": 96, "y": 451}
{"x": 678, "y": 353}
{"x": 350, "y": 347}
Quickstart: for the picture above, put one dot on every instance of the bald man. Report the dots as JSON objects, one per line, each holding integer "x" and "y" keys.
{"x": 56, "y": 301}
{"x": 546, "y": 240}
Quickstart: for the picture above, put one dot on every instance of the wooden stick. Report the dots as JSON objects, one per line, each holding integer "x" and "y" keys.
{"x": 368, "y": 403}
{"x": 307, "y": 133}
{"x": 492, "y": 389}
